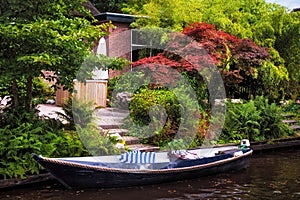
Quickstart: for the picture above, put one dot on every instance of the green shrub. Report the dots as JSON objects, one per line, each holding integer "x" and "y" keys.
{"x": 271, "y": 123}
{"x": 180, "y": 102}
{"x": 241, "y": 121}
{"x": 159, "y": 128}
{"x": 41, "y": 91}
{"x": 255, "y": 120}
{"x": 17, "y": 144}
{"x": 159, "y": 115}
{"x": 77, "y": 112}
{"x": 96, "y": 143}
{"x": 293, "y": 108}
{"x": 111, "y": 84}
{"x": 85, "y": 123}
{"x": 67, "y": 114}
{"x": 25, "y": 133}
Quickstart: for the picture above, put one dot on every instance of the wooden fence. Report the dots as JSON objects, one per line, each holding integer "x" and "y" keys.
{"x": 61, "y": 96}
{"x": 91, "y": 90}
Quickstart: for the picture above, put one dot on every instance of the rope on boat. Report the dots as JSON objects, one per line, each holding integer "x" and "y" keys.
{"x": 53, "y": 160}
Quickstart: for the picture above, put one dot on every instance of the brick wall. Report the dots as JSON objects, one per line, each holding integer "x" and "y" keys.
{"x": 119, "y": 45}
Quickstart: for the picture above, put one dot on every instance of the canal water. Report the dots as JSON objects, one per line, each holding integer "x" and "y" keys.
{"x": 269, "y": 176}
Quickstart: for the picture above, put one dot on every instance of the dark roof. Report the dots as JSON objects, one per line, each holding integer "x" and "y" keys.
{"x": 115, "y": 17}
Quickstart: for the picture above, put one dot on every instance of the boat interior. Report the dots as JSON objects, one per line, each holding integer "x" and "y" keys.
{"x": 156, "y": 160}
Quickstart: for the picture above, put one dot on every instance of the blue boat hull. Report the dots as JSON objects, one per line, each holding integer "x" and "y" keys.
{"x": 74, "y": 175}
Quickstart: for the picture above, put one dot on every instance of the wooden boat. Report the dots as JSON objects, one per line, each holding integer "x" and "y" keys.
{"x": 141, "y": 168}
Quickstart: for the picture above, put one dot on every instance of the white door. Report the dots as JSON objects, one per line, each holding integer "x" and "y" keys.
{"x": 101, "y": 49}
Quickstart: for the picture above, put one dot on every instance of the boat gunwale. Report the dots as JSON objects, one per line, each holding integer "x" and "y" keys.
{"x": 139, "y": 171}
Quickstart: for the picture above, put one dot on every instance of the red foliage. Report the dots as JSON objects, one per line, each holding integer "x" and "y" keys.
{"x": 158, "y": 59}
{"x": 213, "y": 40}
{"x": 246, "y": 52}
{"x": 206, "y": 46}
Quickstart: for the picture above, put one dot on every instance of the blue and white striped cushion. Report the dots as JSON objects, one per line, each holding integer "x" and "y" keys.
{"x": 138, "y": 157}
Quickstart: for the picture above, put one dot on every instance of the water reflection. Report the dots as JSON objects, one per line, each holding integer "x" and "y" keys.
{"x": 269, "y": 176}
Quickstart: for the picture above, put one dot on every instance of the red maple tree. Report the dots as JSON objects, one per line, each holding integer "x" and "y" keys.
{"x": 200, "y": 46}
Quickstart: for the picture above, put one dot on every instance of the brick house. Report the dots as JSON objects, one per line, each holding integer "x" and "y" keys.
{"x": 117, "y": 44}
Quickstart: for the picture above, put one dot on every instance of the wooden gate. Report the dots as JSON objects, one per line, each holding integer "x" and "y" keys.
{"x": 91, "y": 90}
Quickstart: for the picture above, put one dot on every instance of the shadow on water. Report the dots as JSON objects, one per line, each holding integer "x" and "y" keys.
{"x": 269, "y": 176}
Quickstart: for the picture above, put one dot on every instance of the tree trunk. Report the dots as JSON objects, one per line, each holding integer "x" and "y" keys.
{"x": 15, "y": 93}
{"x": 28, "y": 99}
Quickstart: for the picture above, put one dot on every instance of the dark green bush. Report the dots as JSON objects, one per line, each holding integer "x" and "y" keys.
{"x": 154, "y": 101}
{"x": 293, "y": 108}
{"x": 24, "y": 133}
{"x": 41, "y": 91}
{"x": 81, "y": 117}
{"x": 255, "y": 120}
{"x": 271, "y": 124}
{"x": 159, "y": 115}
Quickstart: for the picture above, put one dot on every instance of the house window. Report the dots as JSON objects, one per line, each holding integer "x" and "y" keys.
{"x": 140, "y": 45}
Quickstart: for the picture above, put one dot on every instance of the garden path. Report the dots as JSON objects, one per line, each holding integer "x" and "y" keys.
{"x": 109, "y": 121}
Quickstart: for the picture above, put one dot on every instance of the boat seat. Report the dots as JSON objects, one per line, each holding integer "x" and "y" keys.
{"x": 137, "y": 157}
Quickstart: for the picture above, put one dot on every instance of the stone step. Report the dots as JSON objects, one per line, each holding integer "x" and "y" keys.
{"x": 295, "y": 127}
{"x": 288, "y": 115}
{"x": 143, "y": 147}
{"x": 112, "y": 112}
{"x": 110, "y": 118}
{"x": 130, "y": 140}
{"x": 120, "y": 131}
{"x": 289, "y": 121}
{"x": 110, "y": 126}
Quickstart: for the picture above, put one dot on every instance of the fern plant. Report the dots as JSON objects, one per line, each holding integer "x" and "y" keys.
{"x": 241, "y": 121}
{"x": 27, "y": 133}
{"x": 272, "y": 125}
{"x": 256, "y": 120}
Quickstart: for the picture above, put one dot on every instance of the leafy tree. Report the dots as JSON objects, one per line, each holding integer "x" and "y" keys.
{"x": 43, "y": 35}
{"x": 134, "y": 6}
{"x": 254, "y": 19}
{"x": 243, "y": 64}
{"x": 288, "y": 44}
{"x": 197, "y": 50}
{"x": 109, "y": 6}
{"x": 268, "y": 25}
{"x": 172, "y": 14}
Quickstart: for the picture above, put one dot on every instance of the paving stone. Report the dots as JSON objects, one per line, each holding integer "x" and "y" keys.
{"x": 110, "y": 121}
{"x": 288, "y": 116}
{"x": 109, "y": 126}
{"x": 130, "y": 140}
{"x": 289, "y": 121}
{"x": 295, "y": 127}
{"x": 122, "y": 132}
{"x": 110, "y": 118}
